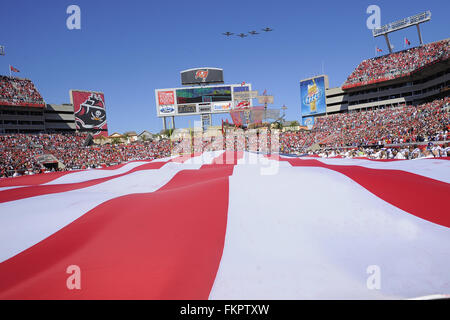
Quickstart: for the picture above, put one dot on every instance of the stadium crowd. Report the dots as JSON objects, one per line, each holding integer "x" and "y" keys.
{"x": 378, "y": 134}
{"x": 17, "y": 91}
{"x": 20, "y": 153}
{"x": 398, "y": 64}
{"x": 410, "y": 152}
{"x": 429, "y": 122}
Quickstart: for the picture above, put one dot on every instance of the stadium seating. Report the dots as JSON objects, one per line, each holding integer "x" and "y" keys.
{"x": 429, "y": 122}
{"x": 19, "y": 152}
{"x": 398, "y": 64}
{"x": 409, "y": 124}
{"x": 19, "y": 92}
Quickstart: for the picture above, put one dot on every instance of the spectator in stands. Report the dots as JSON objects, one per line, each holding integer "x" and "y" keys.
{"x": 19, "y": 152}
{"x": 398, "y": 64}
{"x": 17, "y": 91}
{"x": 371, "y": 134}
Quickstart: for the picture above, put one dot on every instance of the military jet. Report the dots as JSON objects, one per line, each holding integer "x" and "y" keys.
{"x": 242, "y": 35}
{"x": 253, "y": 32}
{"x": 267, "y": 29}
{"x": 228, "y": 34}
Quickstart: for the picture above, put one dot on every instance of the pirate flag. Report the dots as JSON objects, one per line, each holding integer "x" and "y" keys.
{"x": 92, "y": 114}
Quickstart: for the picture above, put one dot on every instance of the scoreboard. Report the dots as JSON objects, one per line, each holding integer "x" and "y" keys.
{"x": 200, "y": 100}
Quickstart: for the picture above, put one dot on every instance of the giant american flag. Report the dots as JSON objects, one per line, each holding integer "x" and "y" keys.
{"x": 229, "y": 225}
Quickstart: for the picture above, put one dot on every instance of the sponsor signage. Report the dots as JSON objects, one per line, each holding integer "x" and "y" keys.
{"x": 308, "y": 122}
{"x": 225, "y": 106}
{"x": 204, "y": 108}
{"x": 402, "y": 24}
{"x": 166, "y": 98}
{"x": 167, "y": 109}
{"x": 245, "y": 95}
{"x": 312, "y": 93}
{"x": 187, "y": 108}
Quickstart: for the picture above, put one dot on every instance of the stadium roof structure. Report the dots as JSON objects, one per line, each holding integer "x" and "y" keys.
{"x": 402, "y": 24}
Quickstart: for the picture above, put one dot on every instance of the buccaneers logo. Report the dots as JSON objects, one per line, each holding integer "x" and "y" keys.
{"x": 201, "y": 74}
{"x": 92, "y": 114}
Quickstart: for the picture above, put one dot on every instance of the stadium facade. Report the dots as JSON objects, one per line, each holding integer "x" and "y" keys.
{"x": 418, "y": 85}
{"x": 49, "y": 118}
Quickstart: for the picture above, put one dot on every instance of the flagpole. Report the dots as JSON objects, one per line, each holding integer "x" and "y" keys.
{"x": 10, "y": 71}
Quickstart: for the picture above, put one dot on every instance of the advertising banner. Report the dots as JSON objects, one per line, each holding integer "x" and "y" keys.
{"x": 308, "y": 122}
{"x": 245, "y": 95}
{"x": 166, "y": 98}
{"x": 223, "y": 106}
{"x": 167, "y": 110}
{"x": 187, "y": 108}
{"x": 204, "y": 108}
{"x": 90, "y": 113}
{"x": 312, "y": 94}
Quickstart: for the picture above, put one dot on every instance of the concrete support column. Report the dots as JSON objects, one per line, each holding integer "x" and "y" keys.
{"x": 420, "y": 34}
{"x": 388, "y": 42}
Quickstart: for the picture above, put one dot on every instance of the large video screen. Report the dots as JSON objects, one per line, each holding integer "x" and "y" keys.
{"x": 202, "y": 75}
{"x": 312, "y": 94}
{"x": 205, "y": 94}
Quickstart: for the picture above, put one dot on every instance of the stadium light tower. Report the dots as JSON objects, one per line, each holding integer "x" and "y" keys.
{"x": 2, "y": 50}
{"x": 284, "y": 110}
{"x": 402, "y": 24}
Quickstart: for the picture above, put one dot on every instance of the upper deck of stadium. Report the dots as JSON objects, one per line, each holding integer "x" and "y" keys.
{"x": 397, "y": 65}
{"x": 19, "y": 92}
{"x": 409, "y": 77}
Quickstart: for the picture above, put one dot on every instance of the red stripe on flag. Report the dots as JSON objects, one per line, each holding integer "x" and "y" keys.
{"x": 418, "y": 195}
{"x": 45, "y": 178}
{"x": 32, "y": 180}
{"x": 39, "y": 190}
{"x": 162, "y": 245}
{"x": 35, "y": 189}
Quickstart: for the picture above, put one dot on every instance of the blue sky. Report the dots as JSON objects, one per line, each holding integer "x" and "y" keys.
{"x": 127, "y": 49}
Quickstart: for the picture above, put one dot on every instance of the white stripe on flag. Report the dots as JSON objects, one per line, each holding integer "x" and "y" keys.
{"x": 311, "y": 233}
{"x": 91, "y": 174}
